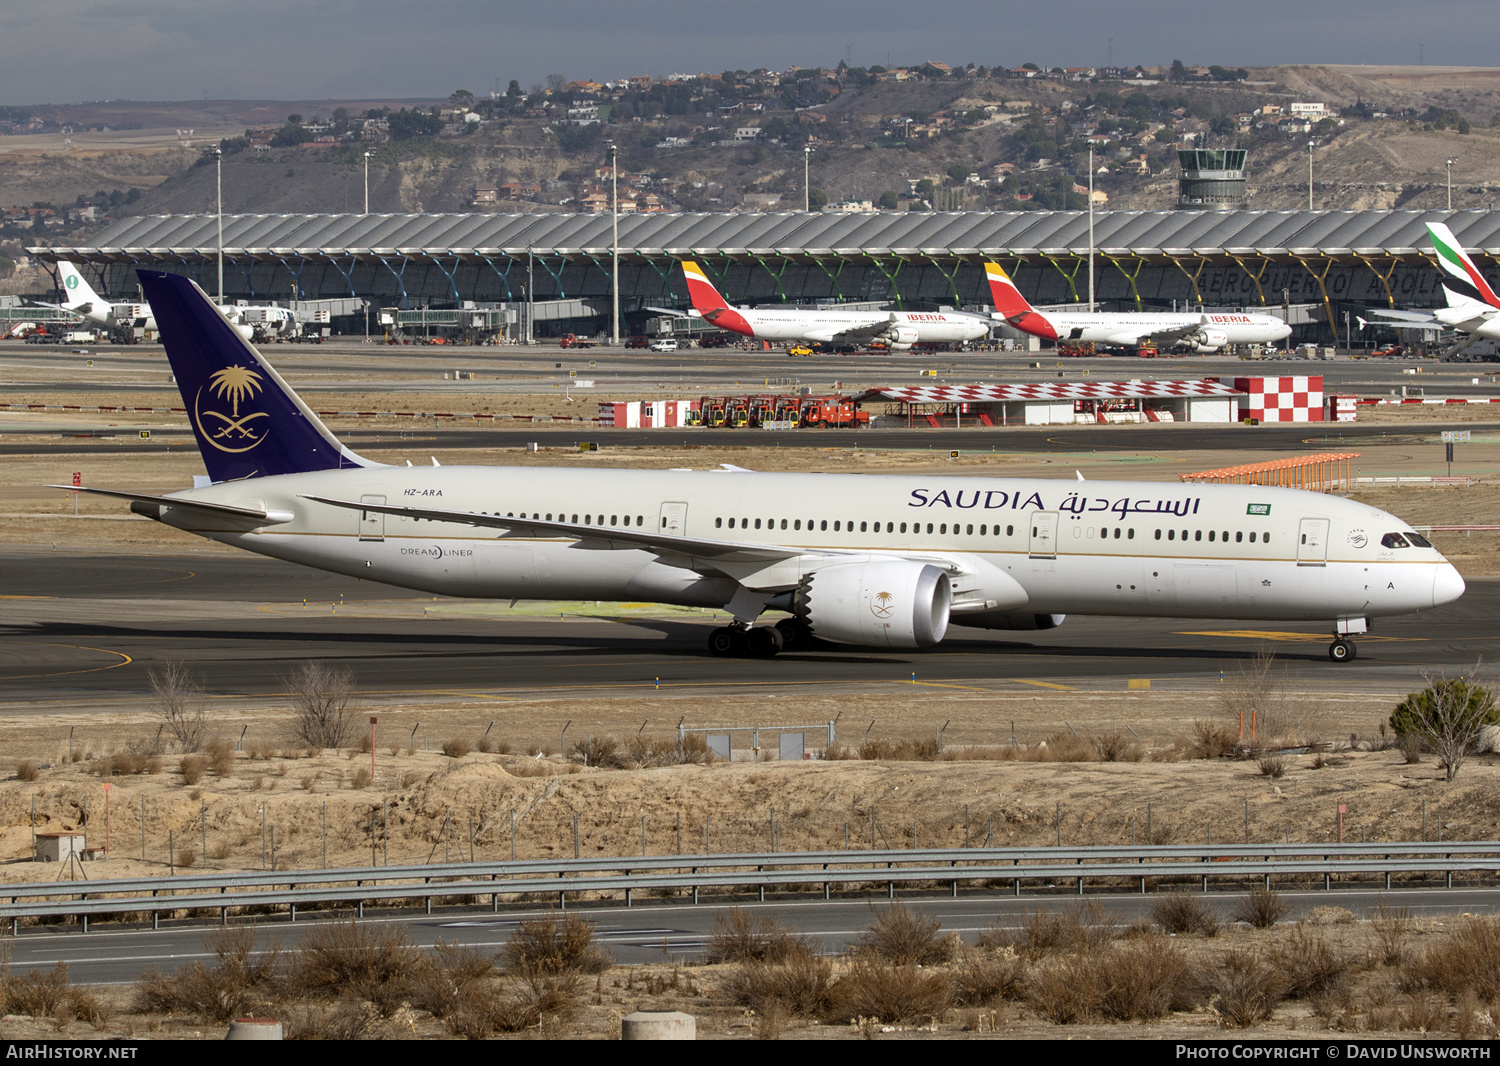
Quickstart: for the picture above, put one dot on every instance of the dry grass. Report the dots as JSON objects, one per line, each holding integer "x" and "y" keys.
{"x": 191, "y": 768}
{"x": 1211, "y": 740}
{"x": 901, "y": 936}
{"x": 536, "y": 1002}
{"x": 450, "y": 978}
{"x": 553, "y": 945}
{"x": 238, "y": 982}
{"x": 28, "y": 770}
{"x": 1273, "y": 766}
{"x": 981, "y": 977}
{"x": 456, "y": 748}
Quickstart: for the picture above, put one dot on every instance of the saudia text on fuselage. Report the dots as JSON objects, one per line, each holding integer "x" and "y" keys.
{"x": 1000, "y": 499}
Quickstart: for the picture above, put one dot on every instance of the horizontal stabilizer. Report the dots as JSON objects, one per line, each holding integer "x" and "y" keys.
{"x": 257, "y": 514}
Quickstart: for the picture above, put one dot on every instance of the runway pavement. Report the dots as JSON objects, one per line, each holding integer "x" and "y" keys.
{"x": 81, "y": 632}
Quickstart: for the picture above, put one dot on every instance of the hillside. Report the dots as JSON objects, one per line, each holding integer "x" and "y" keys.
{"x": 944, "y": 139}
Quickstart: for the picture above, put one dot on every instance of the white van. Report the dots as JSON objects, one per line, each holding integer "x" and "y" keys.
{"x": 664, "y": 344}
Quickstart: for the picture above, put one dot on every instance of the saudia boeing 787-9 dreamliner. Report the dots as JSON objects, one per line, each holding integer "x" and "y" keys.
{"x": 877, "y": 561}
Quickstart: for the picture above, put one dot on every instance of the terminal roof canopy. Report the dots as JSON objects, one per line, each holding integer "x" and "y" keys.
{"x": 966, "y": 234}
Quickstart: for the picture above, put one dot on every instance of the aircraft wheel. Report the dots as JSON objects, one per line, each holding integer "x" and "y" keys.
{"x": 723, "y": 641}
{"x": 763, "y": 642}
{"x": 795, "y": 635}
{"x": 1342, "y": 651}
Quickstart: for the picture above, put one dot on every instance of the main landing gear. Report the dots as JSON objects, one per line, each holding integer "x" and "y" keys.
{"x": 1342, "y": 650}
{"x": 762, "y": 642}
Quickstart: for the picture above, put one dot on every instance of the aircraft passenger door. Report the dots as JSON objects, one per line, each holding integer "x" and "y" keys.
{"x": 1043, "y": 542}
{"x": 372, "y": 523}
{"x": 1312, "y": 542}
{"x": 673, "y": 521}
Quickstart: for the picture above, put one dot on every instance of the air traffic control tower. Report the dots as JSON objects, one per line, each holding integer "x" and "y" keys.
{"x": 1213, "y": 179}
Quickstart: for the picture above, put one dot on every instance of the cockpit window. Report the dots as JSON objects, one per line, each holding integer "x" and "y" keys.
{"x": 1394, "y": 540}
{"x": 1419, "y": 540}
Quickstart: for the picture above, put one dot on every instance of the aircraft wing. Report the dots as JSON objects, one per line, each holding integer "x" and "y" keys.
{"x": 1414, "y": 317}
{"x": 222, "y": 509}
{"x": 756, "y": 566}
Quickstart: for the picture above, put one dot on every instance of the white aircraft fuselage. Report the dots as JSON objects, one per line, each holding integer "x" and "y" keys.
{"x": 1012, "y": 548}
{"x": 1207, "y": 332}
{"x": 903, "y": 328}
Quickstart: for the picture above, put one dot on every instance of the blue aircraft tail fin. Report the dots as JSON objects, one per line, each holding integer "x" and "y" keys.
{"x": 248, "y": 421}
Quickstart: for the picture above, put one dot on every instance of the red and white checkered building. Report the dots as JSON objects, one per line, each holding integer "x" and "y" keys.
{"x": 1292, "y": 399}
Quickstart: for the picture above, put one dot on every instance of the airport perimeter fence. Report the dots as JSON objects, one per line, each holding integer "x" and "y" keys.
{"x": 274, "y": 833}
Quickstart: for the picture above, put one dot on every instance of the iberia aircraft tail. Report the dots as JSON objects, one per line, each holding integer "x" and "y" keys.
{"x": 1463, "y": 277}
{"x": 1013, "y": 307}
{"x": 708, "y": 303}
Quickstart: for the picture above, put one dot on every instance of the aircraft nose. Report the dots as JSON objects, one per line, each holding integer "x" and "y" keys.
{"x": 1447, "y": 585}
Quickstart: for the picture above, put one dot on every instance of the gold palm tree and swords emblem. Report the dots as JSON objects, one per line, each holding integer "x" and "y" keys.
{"x": 883, "y": 605}
{"x": 232, "y": 432}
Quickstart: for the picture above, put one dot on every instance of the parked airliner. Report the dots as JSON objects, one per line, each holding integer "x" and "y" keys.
{"x": 80, "y": 298}
{"x": 1472, "y": 306}
{"x": 878, "y": 561}
{"x": 896, "y": 329}
{"x": 1194, "y": 332}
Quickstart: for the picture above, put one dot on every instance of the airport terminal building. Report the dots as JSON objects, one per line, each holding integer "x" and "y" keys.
{"x": 546, "y": 274}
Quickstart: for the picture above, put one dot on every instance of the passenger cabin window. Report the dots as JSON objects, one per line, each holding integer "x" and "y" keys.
{"x": 1394, "y": 540}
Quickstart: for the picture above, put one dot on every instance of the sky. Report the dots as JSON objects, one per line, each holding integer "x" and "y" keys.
{"x": 69, "y": 51}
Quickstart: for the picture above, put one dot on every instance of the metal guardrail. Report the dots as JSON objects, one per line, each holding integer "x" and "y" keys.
{"x": 359, "y": 885}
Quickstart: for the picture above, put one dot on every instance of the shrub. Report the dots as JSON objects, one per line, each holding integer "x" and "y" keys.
{"x": 191, "y": 768}
{"x": 373, "y": 962}
{"x": 901, "y": 936}
{"x": 1262, "y": 908}
{"x": 871, "y": 988}
{"x": 28, "y": 770}
{"x": 1243, "y": 989}
{"x": 980, "y": 977}
{"x": 360, "y": 779}
{"x": 799, "y": 983}
{"x": 449, "y": 978}
{"x": 551, "y": 945}
{"x": 1310, "y": 965}
{"x": 186, "y": 858}
{"x": 322, "y": 698}
{"x": 1391, "y": 928}
{"x": 1078, "y": 927}
{"x": 1448, "y": 717}
{"x": 598, "y": 751}
{"x": 1272, "y": 766}
{"x": 1468, "y": 960}
{"x": 1115, "y": 747}
{"x": 533, "y": 1003}
{"x": 38, "y": 993}
{"x": 1140, "y": 981}
{"x": 1211, "y": 740}
{"x": 1183, "y": 912}
{"x": 457, "y": 748}
{"x": 1064, "y": 993}
{"x": 220, "y": 752}
{"x": 740, "y": 936}
{"x": 180, "y": 704}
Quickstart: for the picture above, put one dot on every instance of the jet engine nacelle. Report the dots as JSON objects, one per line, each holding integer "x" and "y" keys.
{"x": 900, "y": 338}
{"x": 880, "y": 603}
{"x": 1209, "y": 340}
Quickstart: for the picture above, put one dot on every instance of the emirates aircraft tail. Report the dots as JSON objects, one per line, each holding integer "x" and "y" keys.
{"x": 1463, "y": 278}
{"x": 1013, "y": 307}
{"x": 708, "y": 303}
